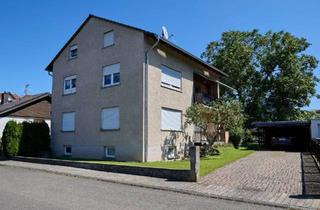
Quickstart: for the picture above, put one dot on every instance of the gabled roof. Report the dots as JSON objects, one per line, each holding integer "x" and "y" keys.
{"x": 23, "y": 102}
{"x": 148, "y": 33}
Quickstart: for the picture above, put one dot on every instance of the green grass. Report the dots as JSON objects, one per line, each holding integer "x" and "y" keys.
{"x": 227, "y": 155}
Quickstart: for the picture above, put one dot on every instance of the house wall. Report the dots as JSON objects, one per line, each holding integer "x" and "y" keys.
{"x": 4, "y": 120}
{"x": 88, "y": 140}
{"x": 315, "y": 129}
{"x": 161, "y": 97}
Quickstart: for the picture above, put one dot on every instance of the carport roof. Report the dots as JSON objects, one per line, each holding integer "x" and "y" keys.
{"x": 280, "y": 124}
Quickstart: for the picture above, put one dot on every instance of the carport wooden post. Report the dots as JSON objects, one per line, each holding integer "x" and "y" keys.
{"x": 194, "y": 163}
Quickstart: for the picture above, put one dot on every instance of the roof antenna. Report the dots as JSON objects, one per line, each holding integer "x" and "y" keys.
{"x": 26, "y": 89}
{"x": 165, "y": 33}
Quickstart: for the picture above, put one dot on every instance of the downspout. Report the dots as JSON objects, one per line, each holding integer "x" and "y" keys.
{"x": 145, "y": 100}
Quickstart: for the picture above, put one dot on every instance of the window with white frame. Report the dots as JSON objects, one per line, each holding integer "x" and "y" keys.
{"x": 111, "y": 75}
{"x": 108, "y": 39}
{"x": 68, "y": 120}
{"x": 110, "y": 152}
{"x": 110, "y": 118}
{"x": 73, "y": 51}
{"x": 69, "y": 85}
{"x": 171, "y": 119}
{"x": 170, "y": 78}
{"x": 67, "y": 150}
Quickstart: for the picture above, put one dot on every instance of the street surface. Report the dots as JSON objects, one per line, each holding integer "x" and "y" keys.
{"x": 29, "y": 189}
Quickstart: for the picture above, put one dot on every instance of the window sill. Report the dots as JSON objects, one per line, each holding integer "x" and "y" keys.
{"x": 62, "y": 131}
{"x": 66, "y": 94}
{"x": 108, "y": 86}
{"x": 105, "y": 47}
{"x": 170, "y": 88}
{"x": 69, "y": 59}
{"x": 116, "y": 129}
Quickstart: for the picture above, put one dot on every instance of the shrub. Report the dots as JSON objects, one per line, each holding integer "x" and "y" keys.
{"x": 35, "y": 139}
{"x": 11, "y": 138}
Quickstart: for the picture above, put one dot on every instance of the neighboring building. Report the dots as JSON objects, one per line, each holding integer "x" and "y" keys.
{"x": 315, "y": 129}
{"x": 120, "y": 93}
{"x": 7, "y": 97}
{"x": 28, "y": 108}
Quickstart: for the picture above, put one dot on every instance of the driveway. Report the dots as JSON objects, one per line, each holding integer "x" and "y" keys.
{"x": 271, "y": 176}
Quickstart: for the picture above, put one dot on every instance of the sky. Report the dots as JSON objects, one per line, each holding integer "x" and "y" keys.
{"x": 32, "y": 32}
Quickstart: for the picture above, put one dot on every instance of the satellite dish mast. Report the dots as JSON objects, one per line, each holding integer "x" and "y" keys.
{"x": 165, "y": 33}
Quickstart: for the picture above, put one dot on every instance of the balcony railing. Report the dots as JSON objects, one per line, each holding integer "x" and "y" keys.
{"x": 202, "y": 98}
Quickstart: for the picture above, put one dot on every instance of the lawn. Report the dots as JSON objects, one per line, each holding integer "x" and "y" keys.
{"x": 227, "y": 155}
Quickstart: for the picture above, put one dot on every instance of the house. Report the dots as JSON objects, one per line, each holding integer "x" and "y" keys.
{"x": 7, "y": 97}
{"x": 28, "y": 108}
{"x": 121, "y": 93}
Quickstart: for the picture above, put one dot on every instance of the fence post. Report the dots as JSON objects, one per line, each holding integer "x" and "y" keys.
{"x": 194, "y": 163}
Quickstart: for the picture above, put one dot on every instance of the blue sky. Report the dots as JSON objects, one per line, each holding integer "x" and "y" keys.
{"x": 32, "y": 32}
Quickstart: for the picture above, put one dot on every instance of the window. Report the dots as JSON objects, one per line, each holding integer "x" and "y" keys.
{"x": 67, "y": 150}
{"x": 170, "y": 78}
{"x": 111, "y": 75}
{"x": 69, "y": 85}
{"x": 110, "y": 118}
{"x": 318, "y": 130}
{"x": 110, "y": 152}
{"x": 73, "y": 51}
{"x": 171, "y": 119}
{"x": 68, "y": 121}
{"x": 108, "y": 39}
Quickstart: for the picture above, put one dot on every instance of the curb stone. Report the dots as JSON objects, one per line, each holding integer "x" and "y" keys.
{"x": 150, "y": 186}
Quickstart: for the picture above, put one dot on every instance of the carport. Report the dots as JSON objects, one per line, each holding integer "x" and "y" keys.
{"x": 284, "y": 135}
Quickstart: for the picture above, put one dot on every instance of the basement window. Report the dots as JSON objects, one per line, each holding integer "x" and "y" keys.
{"x": 110, "y": 152}
{"x": 67, "y": 150}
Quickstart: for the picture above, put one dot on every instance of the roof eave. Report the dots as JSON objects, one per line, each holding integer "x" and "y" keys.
{"x": 195, "y": 58}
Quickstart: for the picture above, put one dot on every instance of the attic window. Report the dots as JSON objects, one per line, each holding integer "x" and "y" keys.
{"x": 108, "y": 39}
{"x": 73, "y": 51}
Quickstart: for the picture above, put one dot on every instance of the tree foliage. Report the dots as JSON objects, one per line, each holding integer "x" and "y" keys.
{"x": 27, "y": 138}
{"x": 271, "y": 72}
{"x": 221, "y": 115}
{"x": 35, "y": 139}
{"x": 11, "y": 138}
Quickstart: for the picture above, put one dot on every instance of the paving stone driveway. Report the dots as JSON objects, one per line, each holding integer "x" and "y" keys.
{"x": 271, "y": 176}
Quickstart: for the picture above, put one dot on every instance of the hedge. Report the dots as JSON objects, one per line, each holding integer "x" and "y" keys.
{"x": 27, "y": 139}
{"x": 11, "y": 138}
{"x": 35, "y": 139}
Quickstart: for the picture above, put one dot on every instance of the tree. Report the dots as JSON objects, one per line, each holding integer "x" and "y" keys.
{"x": 273, "y": 76}
{"x": 219, "y": 116}
{"x": 35, "y": 139}
{"x": 11, "y": 138}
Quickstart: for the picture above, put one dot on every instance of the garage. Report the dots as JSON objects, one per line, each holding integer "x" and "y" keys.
{"x": 284, "y": 135}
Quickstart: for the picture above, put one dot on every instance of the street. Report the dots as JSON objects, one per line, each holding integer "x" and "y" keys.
{"x": 28, "y": 189}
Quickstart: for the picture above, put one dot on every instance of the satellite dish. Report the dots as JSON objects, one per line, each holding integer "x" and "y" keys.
{"x": 165, "y": 33}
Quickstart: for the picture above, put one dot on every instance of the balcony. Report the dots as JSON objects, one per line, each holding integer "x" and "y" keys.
{"x": 205, "y": 91}
{"x": 202, "y": 98}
